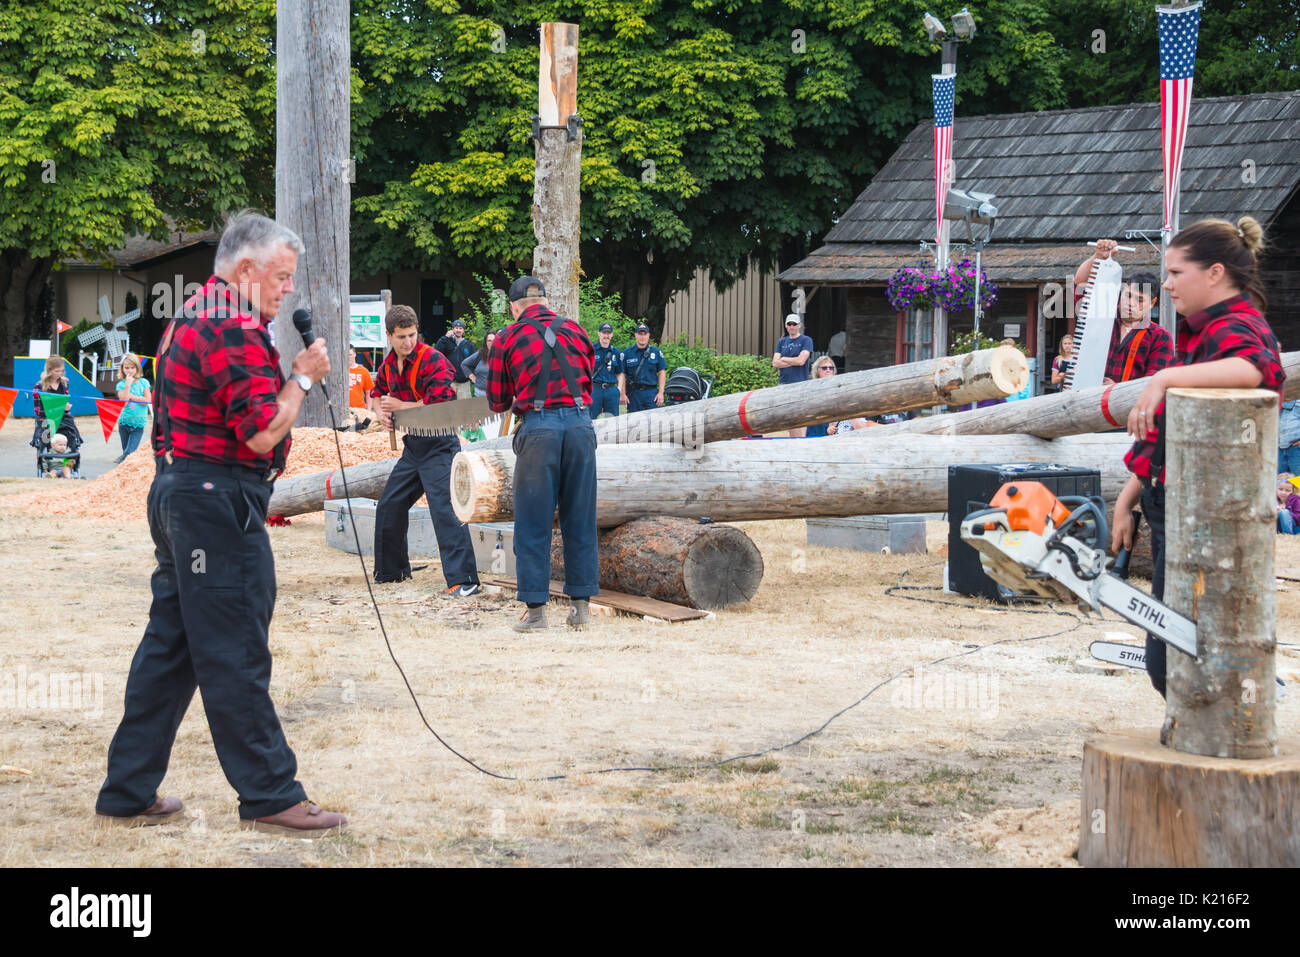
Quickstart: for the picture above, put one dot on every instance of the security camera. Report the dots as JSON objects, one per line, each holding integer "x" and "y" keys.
{"x": 970, "y": 206}
{"x": 934, "y": 28}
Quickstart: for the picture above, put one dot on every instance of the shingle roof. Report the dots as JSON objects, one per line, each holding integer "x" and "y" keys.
{"x": 1067, "y": 176}
{"x": 139, "y": 252}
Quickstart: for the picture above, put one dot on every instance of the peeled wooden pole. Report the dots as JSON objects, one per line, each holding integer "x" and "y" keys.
{"x": 1051, "y": 416}
{"x": 677, "y": 560}
{"x": 1220, "y": 528}
{"x": 557, "y": 197}
{"x": 791, "y": 478}
{"x": 988, "y": 374}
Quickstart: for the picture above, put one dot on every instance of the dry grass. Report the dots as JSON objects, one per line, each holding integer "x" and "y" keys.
{"x": 902, "y": 779}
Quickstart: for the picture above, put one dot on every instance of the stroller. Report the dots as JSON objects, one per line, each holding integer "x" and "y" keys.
{"x": 686, "y": 385}
{"x": 48, "y": 460}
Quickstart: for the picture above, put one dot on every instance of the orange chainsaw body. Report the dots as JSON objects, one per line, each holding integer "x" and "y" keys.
{"x": 1029, "y": 507}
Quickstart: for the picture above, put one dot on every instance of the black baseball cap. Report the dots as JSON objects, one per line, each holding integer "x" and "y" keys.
{"x": 642, "y": 327}
{"x": 519, "y": 288}
{"x": 459, "y": 322}
{"x": 605, "y": 327}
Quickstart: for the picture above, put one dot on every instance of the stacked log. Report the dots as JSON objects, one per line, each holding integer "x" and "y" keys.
{"x": 676, "y": 560}
{"x": 988, "y": 374}
{"x": 795, "y": 478}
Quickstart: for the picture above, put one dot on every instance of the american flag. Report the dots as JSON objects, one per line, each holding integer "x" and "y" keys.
{"x": 1178, "y": 29}
{"x": 944, "y": 86}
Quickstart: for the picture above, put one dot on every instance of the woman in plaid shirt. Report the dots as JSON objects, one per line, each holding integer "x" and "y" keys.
{"x": 1224, "y": 342}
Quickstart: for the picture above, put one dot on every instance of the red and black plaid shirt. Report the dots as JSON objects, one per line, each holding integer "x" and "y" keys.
{"x": 1232, "y": 328}
{"x": 220, "y": 379}
{"x": 516, "y": 359}
{"x": 1152, "y": 349}
{"x": 428, "y": 368}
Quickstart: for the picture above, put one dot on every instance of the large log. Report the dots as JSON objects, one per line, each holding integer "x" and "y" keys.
{"x": 1143, "y": 805}
{"x": 790, "y": 478}
{"x": 1052, "y": 416}
{"x": 677, "y": 560}
{"x": 988, "y": 374}
{"x": 1220, "y": 515}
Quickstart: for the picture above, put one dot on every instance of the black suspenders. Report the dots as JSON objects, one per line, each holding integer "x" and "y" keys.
{"x": 544, "y": 376}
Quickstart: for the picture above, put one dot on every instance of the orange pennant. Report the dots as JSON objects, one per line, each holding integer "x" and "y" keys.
{"x": 108, "y": 416}
{"x": 7, "y": 397}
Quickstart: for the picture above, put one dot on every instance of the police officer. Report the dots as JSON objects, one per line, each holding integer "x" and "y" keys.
{"x": 542, "y": 369}
{"x": 607, "y": 389}
{"x": 643, "y": 366}
{"x": 222, "y": 413}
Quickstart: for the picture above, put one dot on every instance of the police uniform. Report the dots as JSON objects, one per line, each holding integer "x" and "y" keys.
{"x": 424, "y": 469}
{"x": 604, "y": 387}
{"x": 642, "y": 368}
{"x": 549, "y": 387}
{"x": 218, "y": 379}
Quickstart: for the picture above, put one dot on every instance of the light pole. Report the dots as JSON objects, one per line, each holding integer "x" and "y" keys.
{"x": 963, "y": 31}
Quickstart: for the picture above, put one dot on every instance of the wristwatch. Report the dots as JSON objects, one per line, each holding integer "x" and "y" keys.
{"x": 304, "y": 381}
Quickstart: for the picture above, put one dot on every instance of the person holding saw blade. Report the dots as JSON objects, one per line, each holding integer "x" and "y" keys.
{"x": 1224, "y": 342}
{"x": 222, "y": 414}
{"x": 411, "y": 375}
{"x": 542, "y": 368}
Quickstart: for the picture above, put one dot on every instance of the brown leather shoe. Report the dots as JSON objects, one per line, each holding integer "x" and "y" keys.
{"x": 304, "y": 819}
{"x": 160, "y": 812}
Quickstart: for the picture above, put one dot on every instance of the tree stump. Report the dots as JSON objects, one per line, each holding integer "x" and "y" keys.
{"x": 676, "y": 560}
{"x": 1145, "y": 805}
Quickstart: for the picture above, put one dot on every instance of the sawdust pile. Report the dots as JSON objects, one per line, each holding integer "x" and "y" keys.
{"x": 1046, "y": 836}
{"x": 120, "y": 493}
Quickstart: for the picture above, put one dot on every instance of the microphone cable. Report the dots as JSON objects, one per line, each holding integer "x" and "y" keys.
{"x": 659, "y": 768}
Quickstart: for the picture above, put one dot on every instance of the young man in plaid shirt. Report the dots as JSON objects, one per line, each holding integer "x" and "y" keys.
{"x": 222, "y": 413}
{"x": 411, "y": 375}
{"x": 1224, "y": 342}
{"x": 1138, "y": 347}
{"x": 549, "y": 385}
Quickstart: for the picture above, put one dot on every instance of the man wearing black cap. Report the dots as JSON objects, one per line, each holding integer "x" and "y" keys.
{"x": 608, "y": 389}
{"x": 542, "y": 367}
{"x": 457, "y": 349}
{"x": 643, "y": 366}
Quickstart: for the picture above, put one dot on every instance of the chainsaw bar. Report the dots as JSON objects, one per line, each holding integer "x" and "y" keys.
{"x": 444, "y": 418}
{"x": 1135, "y": 656}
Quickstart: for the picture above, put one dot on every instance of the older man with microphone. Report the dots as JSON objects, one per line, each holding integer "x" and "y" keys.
{"x": 222, "y": 414}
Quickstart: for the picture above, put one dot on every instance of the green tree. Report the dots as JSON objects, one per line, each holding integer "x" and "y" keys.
{"x": 119, "y": 118}
{"x": 715, "y": 130}
{"x": 1113, "y": 56}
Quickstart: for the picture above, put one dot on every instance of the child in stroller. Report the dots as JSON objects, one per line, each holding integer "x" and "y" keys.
{"x": 58, "y": 452}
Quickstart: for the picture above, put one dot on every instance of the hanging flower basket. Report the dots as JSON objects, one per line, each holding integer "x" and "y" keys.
{"x": 951, "y": 289}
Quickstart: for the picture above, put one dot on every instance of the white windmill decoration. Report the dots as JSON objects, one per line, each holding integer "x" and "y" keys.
{"x": 117, "y": 342}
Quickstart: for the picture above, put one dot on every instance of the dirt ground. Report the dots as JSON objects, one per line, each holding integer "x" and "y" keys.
{"x": 971, "y": 762}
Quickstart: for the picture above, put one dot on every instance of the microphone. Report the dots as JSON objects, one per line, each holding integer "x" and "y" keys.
{"x": 302, "y": 322}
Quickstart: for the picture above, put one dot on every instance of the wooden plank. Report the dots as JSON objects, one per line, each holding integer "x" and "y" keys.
{"x": 632, "y": 604}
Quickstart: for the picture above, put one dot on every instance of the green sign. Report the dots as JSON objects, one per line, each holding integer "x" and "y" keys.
{"x": 367, "y": 325}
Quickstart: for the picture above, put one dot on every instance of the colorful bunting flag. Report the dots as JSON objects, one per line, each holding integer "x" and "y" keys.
{"x": 7, "y": 397}
{"x": 110, "y": 410}
{"x": 54, "y": 406}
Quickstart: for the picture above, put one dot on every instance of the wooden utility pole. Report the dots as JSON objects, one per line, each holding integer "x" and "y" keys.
{"x": 557, "y": 197}
{"x": 1216, "y": 788}
{"x": 313, "y": 176}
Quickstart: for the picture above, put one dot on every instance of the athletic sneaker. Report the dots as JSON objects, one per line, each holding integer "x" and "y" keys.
{"x": 462, "y": 591}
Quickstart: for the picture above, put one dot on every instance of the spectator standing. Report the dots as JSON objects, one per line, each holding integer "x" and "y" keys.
{"x": 824, "y": 368}
{"x": 133, "y": 389}
{"x": 643, "y": 366}
{"x": 1288, "y": 438}
{"x": 476, "y": 366}
{"x": 835, "y": 349}
{"x": 793, "y": 351}
{"x": 360, "y": 404}
{"x": 457, "y": 349}
{"x": 1061, "y": 364}
{"x": 609, "y": 386}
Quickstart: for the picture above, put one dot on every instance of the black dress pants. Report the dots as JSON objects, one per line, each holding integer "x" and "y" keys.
{"x": 213, "y": 596}
{"x": 424, "y": 469}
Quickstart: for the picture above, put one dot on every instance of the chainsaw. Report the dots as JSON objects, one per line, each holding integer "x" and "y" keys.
{"x": 1034, "y": 543}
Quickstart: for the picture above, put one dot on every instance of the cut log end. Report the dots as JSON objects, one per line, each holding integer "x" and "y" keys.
{"x": 1144, "y": 805}
{"x": 478, "y": 489}
{"x": 1009, "y": 369}
{"x": 722, "y": 569}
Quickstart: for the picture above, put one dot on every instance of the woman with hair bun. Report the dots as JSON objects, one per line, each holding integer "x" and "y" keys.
{"x": 1223, "y": 342}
